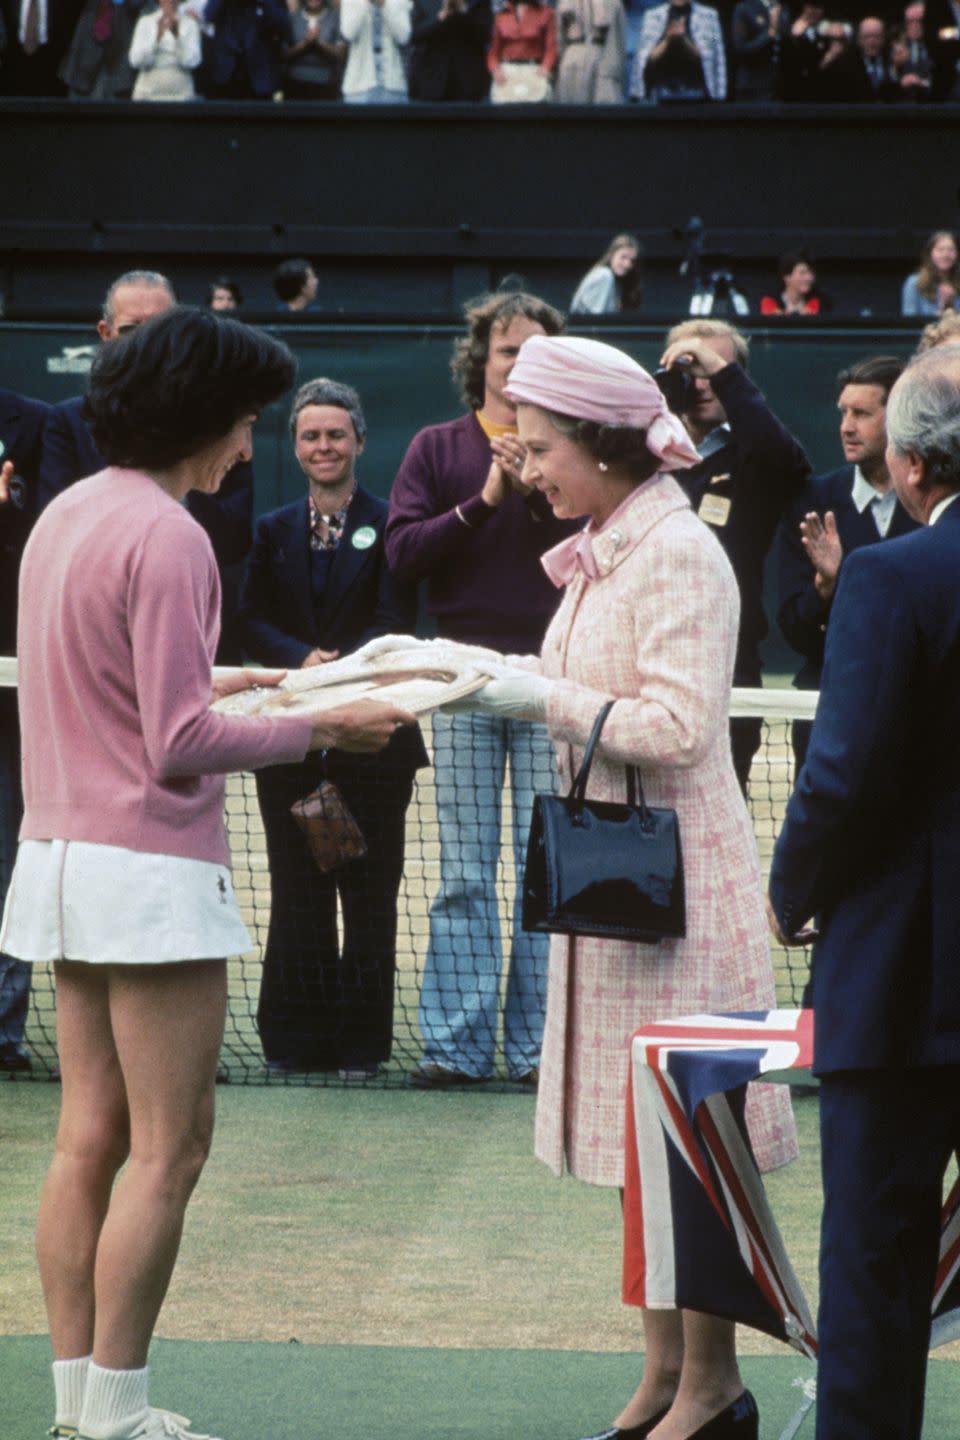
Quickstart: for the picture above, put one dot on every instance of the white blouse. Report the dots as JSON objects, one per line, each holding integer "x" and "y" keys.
{"x": 165, "y": 64}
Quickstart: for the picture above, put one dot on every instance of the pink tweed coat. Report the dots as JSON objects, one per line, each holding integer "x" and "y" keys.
{"x": 657, "y": 628}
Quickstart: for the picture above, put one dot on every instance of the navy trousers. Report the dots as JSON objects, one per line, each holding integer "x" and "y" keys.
{"x": 886, "y": 1142}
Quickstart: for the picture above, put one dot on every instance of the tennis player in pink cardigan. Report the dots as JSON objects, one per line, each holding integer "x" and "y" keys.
{"x": 648, "y": 619}
{"x": 122, "y": 878}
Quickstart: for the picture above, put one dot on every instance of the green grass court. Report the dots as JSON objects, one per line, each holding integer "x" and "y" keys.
{"x": 390, "y": 1264}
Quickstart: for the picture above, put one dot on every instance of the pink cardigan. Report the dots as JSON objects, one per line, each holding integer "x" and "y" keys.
{"x": 118, "y": 625}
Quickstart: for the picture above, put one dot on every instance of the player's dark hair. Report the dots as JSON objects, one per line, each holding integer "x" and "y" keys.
{"x": 180, "y": 382}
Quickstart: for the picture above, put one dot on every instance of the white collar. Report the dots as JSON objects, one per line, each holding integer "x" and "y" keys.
{"x": 941, "y": 505}
{"x": 864, "y": 493}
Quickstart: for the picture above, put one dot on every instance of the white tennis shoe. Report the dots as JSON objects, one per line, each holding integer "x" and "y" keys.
{"x": 159, "y": 1425}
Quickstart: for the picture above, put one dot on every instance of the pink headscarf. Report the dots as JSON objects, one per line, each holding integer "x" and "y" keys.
{"x": 592, "y": 381}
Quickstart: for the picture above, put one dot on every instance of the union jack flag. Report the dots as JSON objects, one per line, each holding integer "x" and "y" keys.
{"x": 699, "y": 1232}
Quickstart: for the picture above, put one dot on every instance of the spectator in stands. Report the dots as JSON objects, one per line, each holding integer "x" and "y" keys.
{"x": 836, "y": 513}
{"x": 680, "y": 54}
{"x": 314, "y": 60}
{"x": 37, "y": 37}
{"x": 377, "y": 32}
{"x": 750, "y": 470}
{"x": 317, "y": 587}
{"x": 945, "y": 331}
{"x": 759, "y": 33}
{"x": 911, "y": 77}
{"x": 21, "y": 431}
{"x": 97, "y": 65}
{"x": 799, "y": 293}
{"x": 941, "y": 31}
{"x": 868, "y": 78}
{"x": 295, "y": 283}
{"x": 458, "y": 522}
{"x": 591, "y": 36}
{"x": 523, "y": 52}
{"x": 449, "y": 40}
{"x": 165, "y": 50}
{"x": 70, "y": 452}
{"x": 919, "y": 55}
{"x": 245, "y": 55}
{"x": 935, "y": 287}
{"x": 614, "y": 283}
{"x": 224, "y": 294}
{"x": 814, "y": 48}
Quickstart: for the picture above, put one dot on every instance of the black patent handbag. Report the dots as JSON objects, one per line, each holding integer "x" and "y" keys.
{"x": 604, "y": 868}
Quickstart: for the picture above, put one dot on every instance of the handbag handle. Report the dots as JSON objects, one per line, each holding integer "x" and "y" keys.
{"x": 578, "y": 790}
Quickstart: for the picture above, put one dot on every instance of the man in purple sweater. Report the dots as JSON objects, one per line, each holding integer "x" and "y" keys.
{"x": 459, "y": 522}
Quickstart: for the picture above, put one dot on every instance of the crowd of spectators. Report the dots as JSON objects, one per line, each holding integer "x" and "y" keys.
{"x": 528, "y": 51}
{"x": 614, "y": 285}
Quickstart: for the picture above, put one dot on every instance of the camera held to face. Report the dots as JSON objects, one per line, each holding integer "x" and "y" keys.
{"x": 677, "y": 385}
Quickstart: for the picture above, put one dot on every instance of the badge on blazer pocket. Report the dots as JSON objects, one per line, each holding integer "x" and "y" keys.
{"x": 715, "y": 509}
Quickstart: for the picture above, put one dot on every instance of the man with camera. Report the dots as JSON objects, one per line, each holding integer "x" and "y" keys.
{"x": 750, "y": 469}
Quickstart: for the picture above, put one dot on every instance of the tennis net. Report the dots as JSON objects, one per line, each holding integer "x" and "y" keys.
{"x": 242, "y": 1058}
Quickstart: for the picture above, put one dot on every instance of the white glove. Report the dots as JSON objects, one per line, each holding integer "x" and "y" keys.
{"x": 478, "y": 657}
{"x": 384, "y": 644}
{"x": 514, "y": 694}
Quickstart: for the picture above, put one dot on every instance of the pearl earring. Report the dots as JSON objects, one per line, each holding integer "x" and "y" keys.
{"x": 603, "y": 466}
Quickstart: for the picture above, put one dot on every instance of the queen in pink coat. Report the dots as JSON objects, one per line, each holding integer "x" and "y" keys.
{"x": 649, "y": 619}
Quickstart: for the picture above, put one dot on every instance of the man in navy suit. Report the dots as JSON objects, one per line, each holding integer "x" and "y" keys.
{"x": 834, "y": 515}
{"x": 317, "y": 587}
{"x": 871, "y": 848}
{"x": 21, "y": 428}
{"x": 69, "y": 453}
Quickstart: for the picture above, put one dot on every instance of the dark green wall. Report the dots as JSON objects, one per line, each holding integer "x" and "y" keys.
{"x": 402, "y": 374}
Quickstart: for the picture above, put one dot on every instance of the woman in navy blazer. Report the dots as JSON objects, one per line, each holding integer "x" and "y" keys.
{"x": 317, "y": 587}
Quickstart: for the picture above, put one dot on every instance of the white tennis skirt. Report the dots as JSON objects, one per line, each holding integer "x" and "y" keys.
{"x": 71, "y": 900}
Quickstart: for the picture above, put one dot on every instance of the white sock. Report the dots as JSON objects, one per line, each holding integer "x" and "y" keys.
{"x": 69, "y": 1383}
{"x": 113, "y": 1402}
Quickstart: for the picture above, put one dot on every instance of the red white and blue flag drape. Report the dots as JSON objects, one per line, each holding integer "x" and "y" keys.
{"x": 699, "y": 1232}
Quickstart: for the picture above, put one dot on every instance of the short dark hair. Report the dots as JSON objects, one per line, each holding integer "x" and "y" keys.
{"x": 623, "y": 445}
{"x": 471, "y": 351}
{"x": 789, "y": 261}
{"x": 290, "y": 277}
{"x": 180, "y": 382}
{"x": 224, "y": 282}
{"x": 881, "y": 370}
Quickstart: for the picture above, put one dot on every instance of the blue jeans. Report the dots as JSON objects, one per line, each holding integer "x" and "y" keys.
{"x": 14, "y": 974}
{"x": 459, "y": 997}
{"x": 377, "y": 95}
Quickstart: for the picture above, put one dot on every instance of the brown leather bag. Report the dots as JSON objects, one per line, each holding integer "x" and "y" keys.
{"x": 332, "y": 833}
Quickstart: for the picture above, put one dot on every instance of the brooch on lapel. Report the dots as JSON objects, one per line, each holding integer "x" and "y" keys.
{"x": 606, "y": 547}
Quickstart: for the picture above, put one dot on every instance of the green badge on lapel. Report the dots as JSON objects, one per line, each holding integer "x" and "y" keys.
{"x": 364, "y": 537}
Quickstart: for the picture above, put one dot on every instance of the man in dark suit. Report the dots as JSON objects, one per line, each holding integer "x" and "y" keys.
{"x": 69, "y": 452}
{"x": 38, "y": 36}
{"x": 861, "y": 75}
{"x": 245, "y": 53}
{"x": 835, "y": 514}
{"x": 317, "y": 587}
{"x": 871, "y": 848}
{"x": 941, "y": 31}
{"x": 750, "y": 470}
{"x": 449, "y": 40}
{"x": 21, "y": 428}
